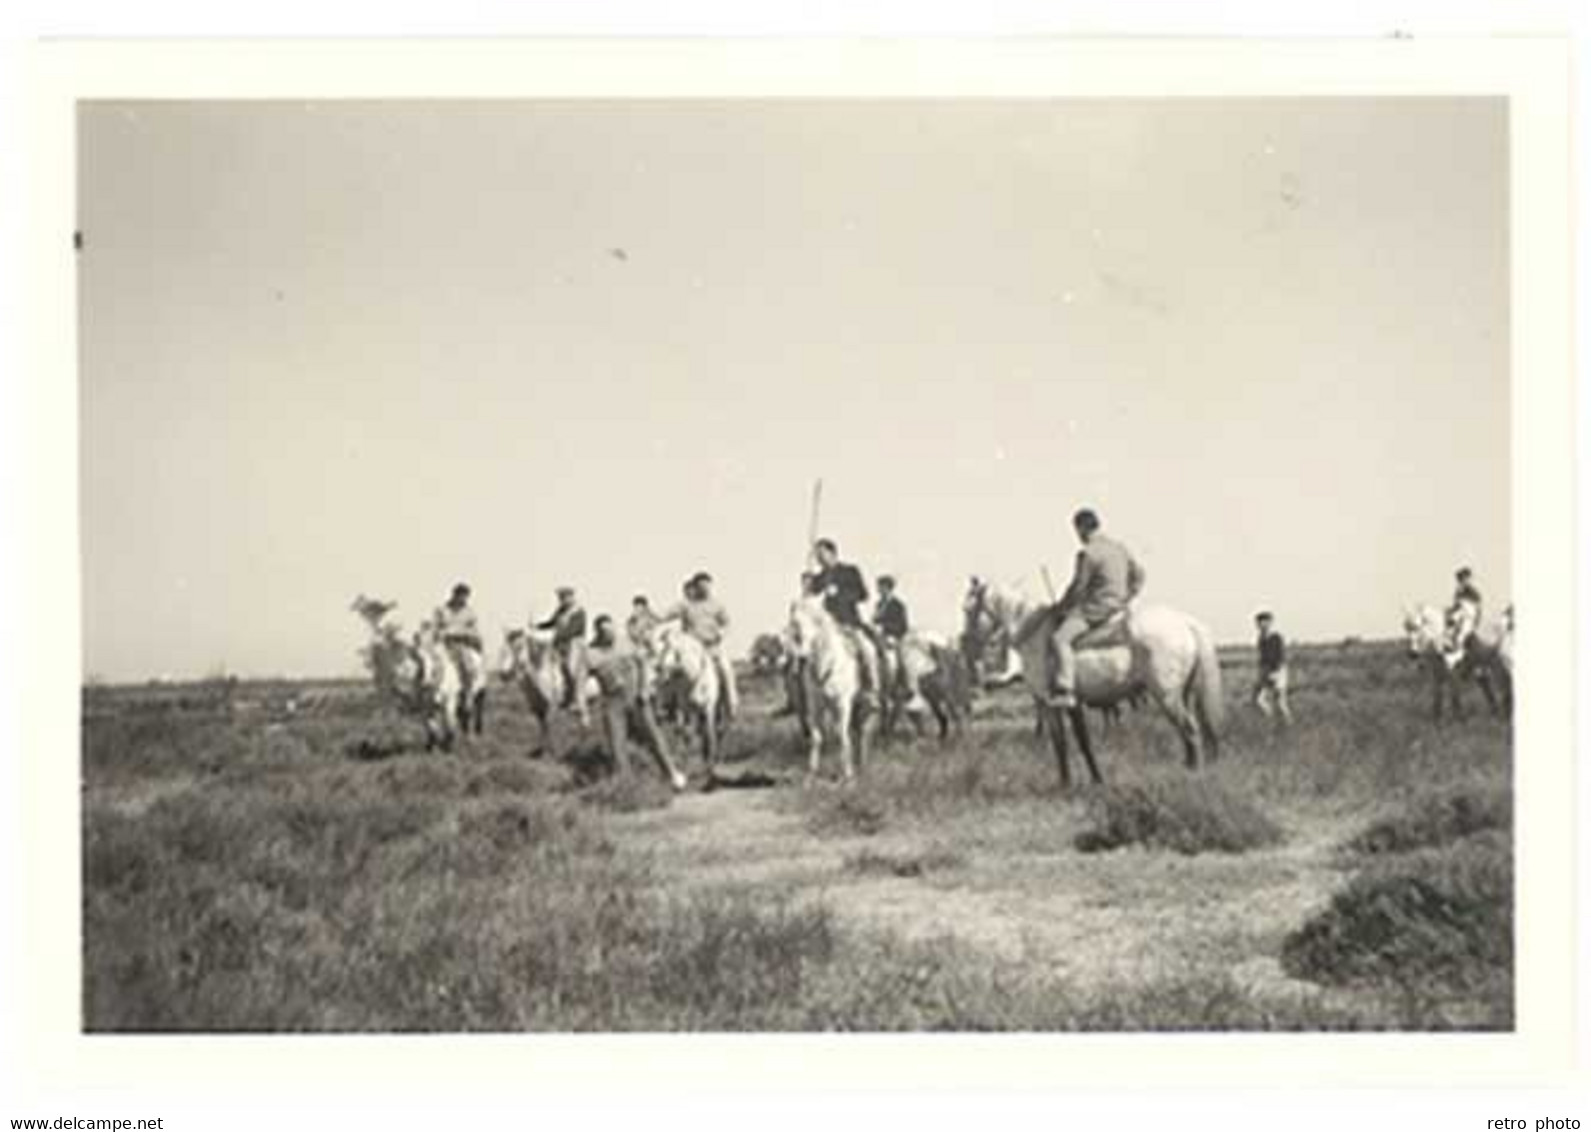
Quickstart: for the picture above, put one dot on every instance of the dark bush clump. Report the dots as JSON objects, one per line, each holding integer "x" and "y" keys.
{"x": 869, "y": 862}
{"x": 1444, "y": 919}
{"x": 1186, "y": 815}
{"x": 1437, "y": 821}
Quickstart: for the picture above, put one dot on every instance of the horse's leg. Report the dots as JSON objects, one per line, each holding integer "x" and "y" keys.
{"x": 539, "y": 749}
{"x": 1084, "y": 743}
{"x": 1056, "y": 726}
{"x": 1484, "y": 679}
{"x": 709, "y": 734}
{"x": 548, "y": 739}
{"x": 1176, "y": 710}
{"x": 862, "y": 724}
{"x": 941, "y": 717}
{"x": 842, "y": 731}
{"x": 812, "y": 722}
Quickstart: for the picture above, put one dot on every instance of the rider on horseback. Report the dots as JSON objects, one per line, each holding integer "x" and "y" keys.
{"x": 891, "y": 623}
{"x": 844, "y": 590}
{"x": 1463, "y": 616}
{"x": 460, "y": 634}
{"x": 705, "y": 618}
{"x": 456, "y": 624}
{"x": 1105, "y": 579}
{"x": 568, "y": 625}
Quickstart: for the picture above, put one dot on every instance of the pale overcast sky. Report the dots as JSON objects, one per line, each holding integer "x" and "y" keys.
{"x": 331, "y": 348}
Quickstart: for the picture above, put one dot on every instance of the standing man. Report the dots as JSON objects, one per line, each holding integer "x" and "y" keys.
{"x": 568, "y": 625}
{"x": 706, "y": 619}
{"x": 844, "y": 590}
{"x": 891, "y": 623}
{"x": 1271, "y": 685}
{"x": 621, "y": 679}
{"x": 1463, "y": 616}
{"x": 1104, "y": 580}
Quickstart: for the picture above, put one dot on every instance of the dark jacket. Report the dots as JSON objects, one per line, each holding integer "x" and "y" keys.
{"x": 1273, "y": 652}
{"x": 844, "y": 591}
{"x": 891, "y": 617}
{"x": 568, "y": 624}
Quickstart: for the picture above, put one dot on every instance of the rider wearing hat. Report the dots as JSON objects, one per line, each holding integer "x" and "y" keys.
{"x": 568, "y": 625}
{"x": 705, "y": 618}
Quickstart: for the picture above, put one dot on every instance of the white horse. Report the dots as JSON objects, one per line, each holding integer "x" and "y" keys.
{"x": 530, "y": 660}
{"x": 832, "y": 700}
{"x": 416, "y": 675}
{"x": 1487, "y": 657}
{"x": 1148, "y": 649}
{"x": 989, "y": 611}
{"x": 687, "y": 671}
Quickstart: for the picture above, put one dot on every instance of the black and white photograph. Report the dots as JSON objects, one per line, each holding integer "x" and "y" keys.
{"x": 847, "y": 564}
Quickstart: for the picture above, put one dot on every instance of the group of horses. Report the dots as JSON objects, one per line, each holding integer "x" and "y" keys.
{"x": 445, "y": 687}
{"x": 1148, "y": 652}
{"x": 1485, "y": 658}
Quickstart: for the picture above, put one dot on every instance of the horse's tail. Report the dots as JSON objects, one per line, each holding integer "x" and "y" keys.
{"x": 1204, "y": 686}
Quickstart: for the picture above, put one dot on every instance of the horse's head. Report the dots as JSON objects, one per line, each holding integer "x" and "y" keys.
{"x": 537, "y": 646}
{"x": 805, "y": 627}
{"x": 512, "y": 658}
{"x": 988, "y": 615}
{"x": 664, "y": 643}
{"x": 1422, "y": 629}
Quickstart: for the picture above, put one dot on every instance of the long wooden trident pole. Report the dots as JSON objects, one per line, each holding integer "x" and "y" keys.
{"x": 812, "y": 519}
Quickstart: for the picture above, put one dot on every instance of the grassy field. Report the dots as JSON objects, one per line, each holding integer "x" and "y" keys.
{"x": 272, "y": 858}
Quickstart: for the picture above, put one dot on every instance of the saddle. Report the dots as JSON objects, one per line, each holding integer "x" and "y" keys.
{"x": 1108, "y": 634}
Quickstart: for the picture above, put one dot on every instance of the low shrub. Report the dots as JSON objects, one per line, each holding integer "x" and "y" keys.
{"x": 870, "y": 862}
{"x": 1437, "y": 821}
{"x": 1442, "y": 918}
{"x": 627, "y": 793}
{"x": 847, "y": 813}
{"x": 1184, "y": 814}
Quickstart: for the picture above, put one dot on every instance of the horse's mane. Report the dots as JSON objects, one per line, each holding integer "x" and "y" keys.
{"x": 1040, "y": 619}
